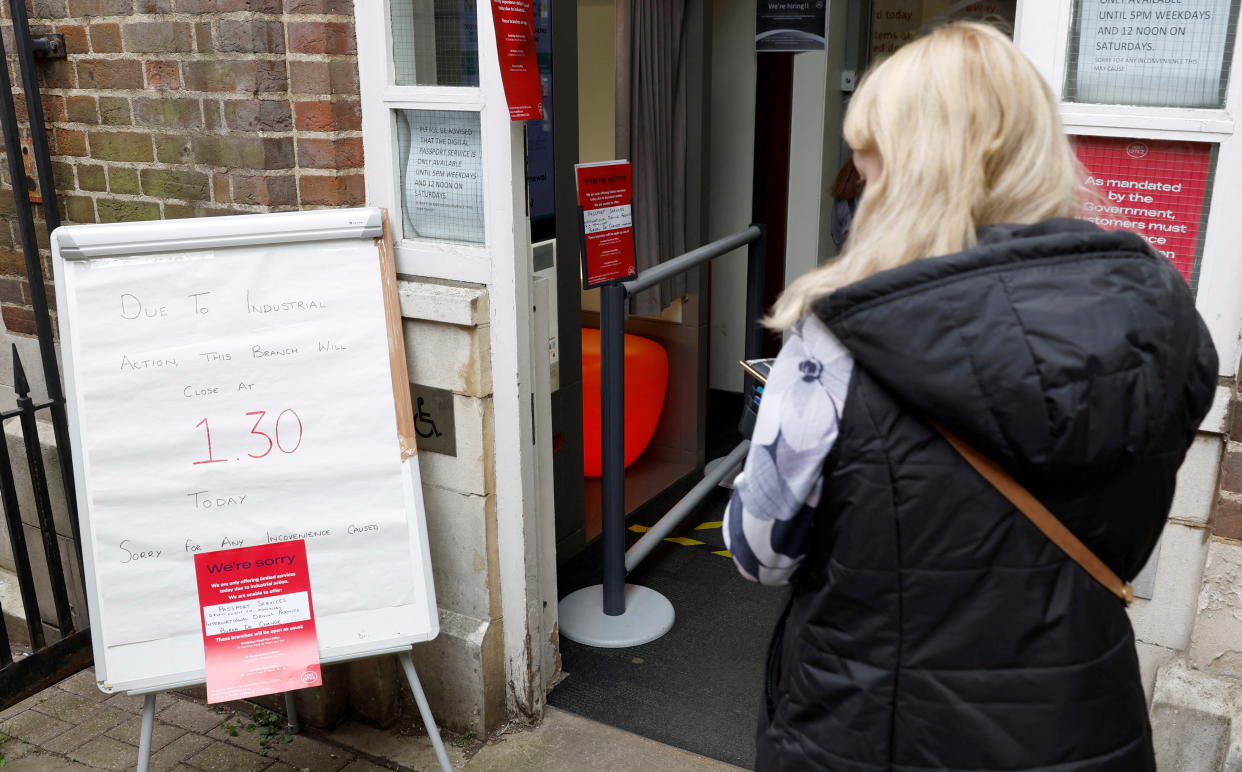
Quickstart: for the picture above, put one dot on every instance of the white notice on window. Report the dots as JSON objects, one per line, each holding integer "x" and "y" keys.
{"x": 444, "y": 175}
{"x": 610, "y": 218}
{"x": 1150, "y": 52}
{"x": 255, "y": 613}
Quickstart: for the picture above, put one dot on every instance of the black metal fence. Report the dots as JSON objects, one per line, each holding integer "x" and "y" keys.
{"x": 52, "y": 649}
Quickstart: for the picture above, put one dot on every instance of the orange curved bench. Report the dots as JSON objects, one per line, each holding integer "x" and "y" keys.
{"x": 646, "y": 381}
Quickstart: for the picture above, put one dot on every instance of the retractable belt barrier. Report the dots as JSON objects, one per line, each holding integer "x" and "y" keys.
{"x": 615, "y": 614}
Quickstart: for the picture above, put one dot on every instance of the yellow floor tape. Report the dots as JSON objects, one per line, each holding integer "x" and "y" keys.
{"x": 686, "y": 542}
{"x": 683, "y": 541}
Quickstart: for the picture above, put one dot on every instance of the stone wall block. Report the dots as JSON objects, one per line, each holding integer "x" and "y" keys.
{"x": 1189, "y": 740}
{"x": 1166, "y": 620}
{"x": 1196, "y": 481}
{"x": 457, "y": 533}
{"x": 1216, "y": 645}
{"x": 375, "y": 688}
{"x": 1151, "y": 659}
{"x": 462, "y": 672}
{"x": 1178, "y": 684}
{"x": 449, "y": 357}
{"x": 470, "y": 471}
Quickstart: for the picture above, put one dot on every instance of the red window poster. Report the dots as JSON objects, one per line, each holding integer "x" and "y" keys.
{"x": 519, "y": 63}
{"x": 1155, "y": 188}
{"x": 606, "y": 226}
{"x": 258, "y": 620}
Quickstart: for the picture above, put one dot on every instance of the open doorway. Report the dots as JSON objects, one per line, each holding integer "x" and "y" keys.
{"x": 761, "y": 140}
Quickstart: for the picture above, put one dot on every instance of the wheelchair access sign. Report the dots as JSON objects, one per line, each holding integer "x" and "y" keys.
{"x": 434, "y": 419}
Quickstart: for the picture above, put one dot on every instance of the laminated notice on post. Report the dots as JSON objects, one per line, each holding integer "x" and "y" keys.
{"x": 606, "y": 222}
{"x": 258, "y": 621}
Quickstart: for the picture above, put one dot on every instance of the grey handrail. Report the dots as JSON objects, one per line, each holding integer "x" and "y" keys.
{"x": 682, "y": 263}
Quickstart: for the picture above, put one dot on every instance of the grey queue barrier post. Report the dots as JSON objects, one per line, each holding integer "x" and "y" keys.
{"x": 615, "y": 614}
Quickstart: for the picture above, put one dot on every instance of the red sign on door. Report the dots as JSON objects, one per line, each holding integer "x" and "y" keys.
{"x": 519, "y": 63}
{"x": 606, "y": 225}
{"x": 258, "y": 621}
{"x": 1155, "y": 188}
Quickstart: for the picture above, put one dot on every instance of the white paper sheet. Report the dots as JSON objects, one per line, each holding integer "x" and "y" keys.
{"x": 280, "y": 352}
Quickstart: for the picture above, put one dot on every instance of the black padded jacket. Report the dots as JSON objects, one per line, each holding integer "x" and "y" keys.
{"x": 932, "y": 626}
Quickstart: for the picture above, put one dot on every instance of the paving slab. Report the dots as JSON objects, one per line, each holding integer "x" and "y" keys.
{"x": 129, "y": 731}
{"x": 100, "y": 722}
{"x": 564, "y": 742}
{"x": 40, "y": 762}
{"x": 191, "y": 716}
{"x": 173, "y": 755}
{"x": 83, "y": 684}
{"x": 222, "y": 757}
{"x": 414, "y": 750}
{"x": 106, "y": 753}
{"x": 67, "y": 706}
{"x": 34, "y": 727}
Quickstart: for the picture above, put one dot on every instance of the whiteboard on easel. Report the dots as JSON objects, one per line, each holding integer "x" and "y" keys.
{"x": 236, "y": 381}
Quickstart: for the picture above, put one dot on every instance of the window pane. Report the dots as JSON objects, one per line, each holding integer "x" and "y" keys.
{"x": 435, "y": 42}
{"x": 1156, "y": 54}
{"x": 897, "y": 22}
{"x": 1157, "y": 189}
{"x": 441, "y": 159}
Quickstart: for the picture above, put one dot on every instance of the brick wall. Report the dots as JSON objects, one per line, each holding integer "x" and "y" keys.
{"x": 190, "y": 108}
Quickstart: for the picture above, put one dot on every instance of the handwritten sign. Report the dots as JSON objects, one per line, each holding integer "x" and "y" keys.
{"x": 258, "y": 621}
{"x": 229, "y": 399}
{"x": 605, "y": 191}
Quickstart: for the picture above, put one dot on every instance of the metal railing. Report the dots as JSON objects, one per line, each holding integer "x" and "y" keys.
{"x": 47, "y": 662}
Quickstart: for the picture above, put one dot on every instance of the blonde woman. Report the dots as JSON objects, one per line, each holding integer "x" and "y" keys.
{"x": 932, "y": 626}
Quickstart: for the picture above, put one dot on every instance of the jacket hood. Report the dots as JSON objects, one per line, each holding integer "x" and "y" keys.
{"x": 1060, "y": 350}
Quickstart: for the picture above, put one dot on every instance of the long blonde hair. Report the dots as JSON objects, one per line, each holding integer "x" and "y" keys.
{"x": 968, "y": 134}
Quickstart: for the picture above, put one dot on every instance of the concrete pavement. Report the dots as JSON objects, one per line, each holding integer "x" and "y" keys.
{"x": 73, "y": 726}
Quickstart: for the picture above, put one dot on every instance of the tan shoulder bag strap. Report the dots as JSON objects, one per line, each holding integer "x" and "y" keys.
{"x": 1038, "y": 514}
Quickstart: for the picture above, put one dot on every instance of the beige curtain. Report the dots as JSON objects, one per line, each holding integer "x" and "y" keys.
{"x": 651, "y": 133}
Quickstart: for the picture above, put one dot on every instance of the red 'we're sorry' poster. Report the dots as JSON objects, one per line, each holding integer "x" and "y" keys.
{"x": 258, "y": 621}
{"x": 605, "y": 191}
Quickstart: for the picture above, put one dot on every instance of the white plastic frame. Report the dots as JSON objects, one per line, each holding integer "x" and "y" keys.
{"x": 526, "y": 565}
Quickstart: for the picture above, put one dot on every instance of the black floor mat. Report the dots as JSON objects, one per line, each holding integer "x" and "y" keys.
{"x": 699, "y": 687}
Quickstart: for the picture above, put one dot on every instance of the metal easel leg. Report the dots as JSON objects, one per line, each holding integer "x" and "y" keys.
{"x": 429, "y": 721}
{"x": 291, "y": 714}
{"x": 144, "y": 736}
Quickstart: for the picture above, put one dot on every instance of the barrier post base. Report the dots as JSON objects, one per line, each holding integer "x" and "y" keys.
{"x": 648, "y": 616}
